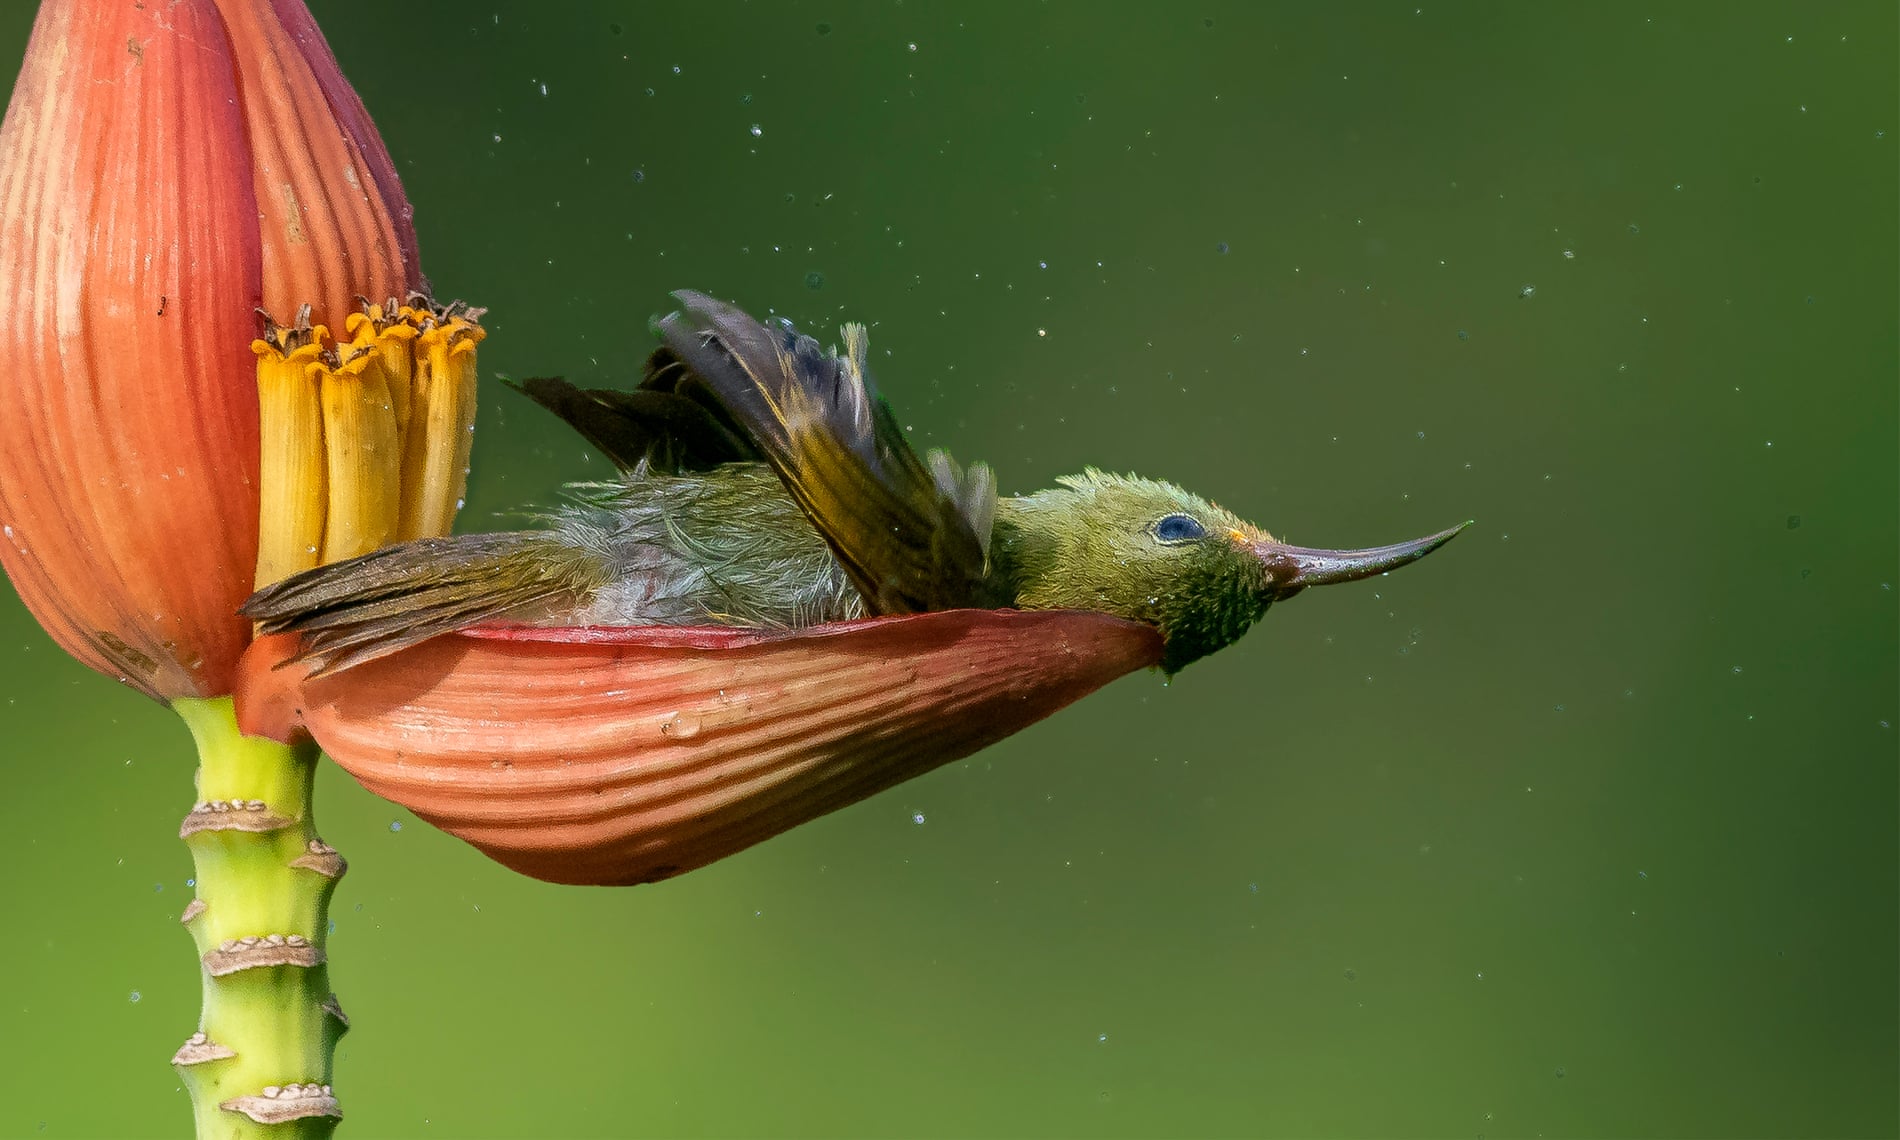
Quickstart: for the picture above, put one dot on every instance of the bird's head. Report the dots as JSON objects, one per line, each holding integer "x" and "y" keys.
{"x": 1154, "y": 553}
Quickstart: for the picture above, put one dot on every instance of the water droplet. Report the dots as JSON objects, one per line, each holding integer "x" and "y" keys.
{"x": 1220, "y": 247}
{"x": 191, "y": 882}
{"x": 814, "y": 280}
{"x": 137, "y": 997}
{"x": 1570, "y": 255}
{"x": 1101, "y": 1038}
{"x": 1352, "y": 975}
{"x": 639, "y": 175}
{"x": 1527, "y": 291}
{"x": 395, "y": 825}
{"x": 680, "y": 727}
{"x": 757, "y": 130}
{"x": 1736, "y": 669}
{"x": 746, "y": 98}
{"x": 1463, "y": 335}
{"x": 615, "y": 29}
{"x": 649, "y": 91}
{"x": 917, "y": 818}
{"x": 913, "y": 47}
{"x": 1560, "y": 1072}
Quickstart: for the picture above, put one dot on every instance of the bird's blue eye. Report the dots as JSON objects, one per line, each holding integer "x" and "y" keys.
{"x": 1179, "y": 528}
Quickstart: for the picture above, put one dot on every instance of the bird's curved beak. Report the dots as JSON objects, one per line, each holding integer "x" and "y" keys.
{"x": 1291, "y": 569}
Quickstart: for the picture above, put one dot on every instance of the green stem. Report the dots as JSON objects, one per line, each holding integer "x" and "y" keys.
{"x": 259, "y": 1065}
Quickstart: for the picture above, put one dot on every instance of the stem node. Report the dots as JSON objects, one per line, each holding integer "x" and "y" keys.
{"x": 280, "y": 1104}
{"x": 232, "y": 815}
{"x": 198, "y": 1049}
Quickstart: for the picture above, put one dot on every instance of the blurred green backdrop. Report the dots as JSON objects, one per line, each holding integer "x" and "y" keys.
{"x": 1585, "y": 827}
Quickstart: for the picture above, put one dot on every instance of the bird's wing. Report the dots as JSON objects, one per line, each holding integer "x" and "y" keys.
{"x": 913, "y": 536}
{"x": 389, "y": 599}
{"x": 671, "y": 422}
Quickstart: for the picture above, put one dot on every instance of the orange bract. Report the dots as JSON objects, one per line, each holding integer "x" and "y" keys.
{"x": 141, "y": 146}
{"x": 629, "y": 755}
{"x": 334, "y": 220}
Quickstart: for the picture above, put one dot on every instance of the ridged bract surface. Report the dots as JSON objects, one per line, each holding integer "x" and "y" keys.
{"x": 615, "y": 756}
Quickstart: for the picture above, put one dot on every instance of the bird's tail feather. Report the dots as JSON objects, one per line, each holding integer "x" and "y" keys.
{"x": 670, "y": 422}
{"x": 364, "y": 608}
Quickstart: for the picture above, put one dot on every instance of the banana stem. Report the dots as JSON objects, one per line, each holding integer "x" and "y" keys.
{"x": 259, "y": 1064}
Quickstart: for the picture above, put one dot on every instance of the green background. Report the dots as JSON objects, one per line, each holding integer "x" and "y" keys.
{"x": 1584, "y": 827}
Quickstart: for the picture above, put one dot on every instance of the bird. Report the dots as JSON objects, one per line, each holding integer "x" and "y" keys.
{"x": 763, "y": 482}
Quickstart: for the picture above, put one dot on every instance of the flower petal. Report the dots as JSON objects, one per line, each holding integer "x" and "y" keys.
{"x": 128, "y": 410}
{"x": 630, "y": 755}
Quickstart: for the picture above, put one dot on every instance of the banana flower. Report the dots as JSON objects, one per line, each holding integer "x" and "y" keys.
{"x": 167, "y": 171}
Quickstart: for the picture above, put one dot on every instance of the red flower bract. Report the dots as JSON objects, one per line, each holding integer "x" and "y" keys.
{"x": 629, "y": 755}
{"x": 165, "y": 169}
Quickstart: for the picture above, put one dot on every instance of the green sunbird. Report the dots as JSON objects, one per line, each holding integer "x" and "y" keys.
{"x": 763, "y": 483}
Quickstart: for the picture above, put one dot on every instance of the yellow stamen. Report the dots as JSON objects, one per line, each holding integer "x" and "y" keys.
{"x": 365, "y": 441}
{"x": 292, "y": 482}
{"x": 359, "y": 433}
{"x": 392, "y": 338}
{"x": 441, "y": 427}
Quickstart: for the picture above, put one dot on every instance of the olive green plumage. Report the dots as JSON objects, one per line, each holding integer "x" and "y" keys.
{"x": 1091, "y": 543}
{"x": 764, "y": 484}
